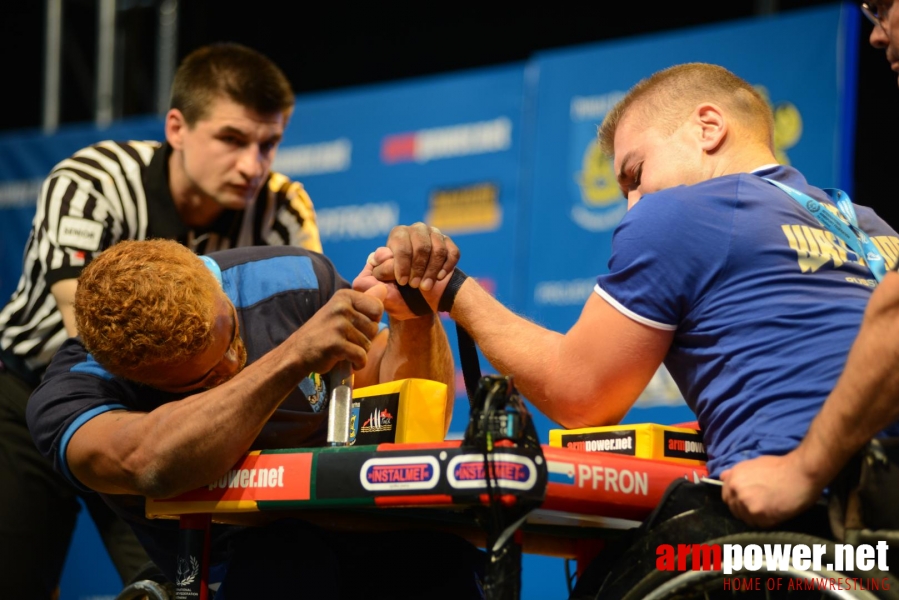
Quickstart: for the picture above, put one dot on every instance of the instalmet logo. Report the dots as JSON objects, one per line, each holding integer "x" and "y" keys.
{"x": 805, "y": 566}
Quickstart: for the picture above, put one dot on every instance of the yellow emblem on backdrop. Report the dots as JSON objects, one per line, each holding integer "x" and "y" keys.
{"x": 787, "y": 125}
{"x": 597, "y": 180}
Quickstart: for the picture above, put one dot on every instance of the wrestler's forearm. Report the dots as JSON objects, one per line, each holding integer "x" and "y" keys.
{"x": 190, "y": 442}
{"x": 419, "y": 348}
{"x": 591, "y": 375}
{"x": 512, "y": 344}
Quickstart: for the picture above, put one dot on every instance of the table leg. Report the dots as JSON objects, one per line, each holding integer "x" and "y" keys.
{"x": 586, "y": 550}
{"x": 192, "y": 571}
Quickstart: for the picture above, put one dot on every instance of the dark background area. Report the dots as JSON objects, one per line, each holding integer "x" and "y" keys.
{"x": 326, "y": 46}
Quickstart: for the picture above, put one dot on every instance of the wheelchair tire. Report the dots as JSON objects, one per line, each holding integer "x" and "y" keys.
{"x": 145, "y": 589}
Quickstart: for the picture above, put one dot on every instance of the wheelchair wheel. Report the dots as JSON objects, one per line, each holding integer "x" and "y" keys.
{"x": 145, "y": 589}
{"x": 791, "y": 584}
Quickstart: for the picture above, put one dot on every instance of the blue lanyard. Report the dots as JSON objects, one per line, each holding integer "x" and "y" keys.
{"x": 846, "y": 229}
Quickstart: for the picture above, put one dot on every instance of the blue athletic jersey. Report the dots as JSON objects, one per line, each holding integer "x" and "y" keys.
{"x": 275, "y": 289}
{"x": 763, "y": 300}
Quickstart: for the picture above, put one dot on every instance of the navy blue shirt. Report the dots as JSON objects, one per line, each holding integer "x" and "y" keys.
{"x": 274, "y": 290}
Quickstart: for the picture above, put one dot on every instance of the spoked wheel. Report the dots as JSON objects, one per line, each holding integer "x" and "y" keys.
{"x": 149, "y": 590}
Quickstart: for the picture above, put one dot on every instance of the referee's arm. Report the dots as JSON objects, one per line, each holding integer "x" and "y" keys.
{"x": 64, "y": 292}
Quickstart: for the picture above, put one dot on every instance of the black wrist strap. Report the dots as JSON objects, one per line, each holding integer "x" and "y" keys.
{"x": 419, "y": 306}
{"x": 452, "y": 288}
{"x": 415, "y": 301}
{"x": 471, "y": 364}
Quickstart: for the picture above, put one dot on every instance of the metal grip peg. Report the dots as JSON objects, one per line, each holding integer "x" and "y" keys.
{"x": 340, "y": 408}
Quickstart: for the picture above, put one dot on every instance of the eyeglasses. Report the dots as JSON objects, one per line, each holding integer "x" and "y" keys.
{"x": 876, "y": 12}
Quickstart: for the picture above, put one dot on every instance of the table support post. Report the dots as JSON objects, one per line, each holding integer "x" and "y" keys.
{"x": 587, "y": 550}
{"x": 503, "y": 577}
{"x": 192, "y": 570}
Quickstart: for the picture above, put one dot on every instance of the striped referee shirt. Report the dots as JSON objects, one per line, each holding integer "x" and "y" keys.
{"x": 114, "y": 191}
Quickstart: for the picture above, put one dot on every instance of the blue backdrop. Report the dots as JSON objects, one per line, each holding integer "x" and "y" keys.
{"x": 505, "y": 160}
{"x": 446, "y": 150}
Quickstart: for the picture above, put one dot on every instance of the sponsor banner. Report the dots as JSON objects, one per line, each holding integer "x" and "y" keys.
{"x": 595, "y": 484}
{"x": 15, "y": 225}
{"x": 684, "y": 445}
{"x": 373, "y": 420}
{"x": 643, "y": 440}
{"x": 259, "y": 477}
{"x": 442, "y": 472}
{"x": 616, "y": 442}
{"x": 314, "y": 159}
{"x": 509, "y": 471}
{"x": 371, "y": 221}
{"x": 20, "y": 193}
{"x": 400, "y": 473}
{"x": 361, "y": 474}
{"x": 448, "y": 142}
{"x": 467, "y": 209}
{"x": 609, "y": 485}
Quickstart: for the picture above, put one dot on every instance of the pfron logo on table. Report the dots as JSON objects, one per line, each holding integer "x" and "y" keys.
{"x": 795, "y": 566}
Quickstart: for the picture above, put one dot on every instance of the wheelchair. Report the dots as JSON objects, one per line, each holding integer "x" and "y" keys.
{"x": 862, "y": 508}
{"x": 149, "y": 583}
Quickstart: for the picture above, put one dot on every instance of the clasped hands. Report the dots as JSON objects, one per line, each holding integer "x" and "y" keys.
{"x": 416, "y": 255}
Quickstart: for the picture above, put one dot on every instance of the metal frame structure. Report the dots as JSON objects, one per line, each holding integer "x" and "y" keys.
{"x": 109, "y": 59}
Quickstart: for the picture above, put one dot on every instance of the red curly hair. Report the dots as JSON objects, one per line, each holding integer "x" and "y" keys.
{"x": 145, "y": 304}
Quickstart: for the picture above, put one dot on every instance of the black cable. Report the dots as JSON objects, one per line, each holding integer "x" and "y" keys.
{"x": 569, "y": 576}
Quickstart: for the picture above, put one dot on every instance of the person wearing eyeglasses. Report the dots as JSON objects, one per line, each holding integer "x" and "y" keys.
{"x": 886, "y": 26}
{"x": 865, "y": 398}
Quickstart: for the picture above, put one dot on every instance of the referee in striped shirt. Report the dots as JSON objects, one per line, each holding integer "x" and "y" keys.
{"x": 209, "y": 186}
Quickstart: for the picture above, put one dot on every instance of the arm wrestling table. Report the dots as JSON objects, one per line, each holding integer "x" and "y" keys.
{"x": 583, "y": 498}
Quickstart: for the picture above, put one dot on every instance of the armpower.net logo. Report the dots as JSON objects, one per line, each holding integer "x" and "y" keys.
{"x": 783, "y": 566}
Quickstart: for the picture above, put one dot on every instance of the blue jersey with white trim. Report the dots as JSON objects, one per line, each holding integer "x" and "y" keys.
{"x": 764, "y": 302}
